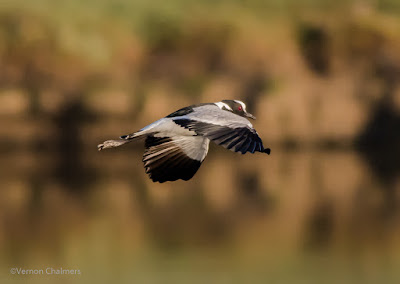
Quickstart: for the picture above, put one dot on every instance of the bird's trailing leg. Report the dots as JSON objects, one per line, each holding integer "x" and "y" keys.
{"x": 111, "y": 144}
{"x": 123, "y": 140}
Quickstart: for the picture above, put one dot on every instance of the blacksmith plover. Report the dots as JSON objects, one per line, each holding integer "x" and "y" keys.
{"x": 177, "y": 144}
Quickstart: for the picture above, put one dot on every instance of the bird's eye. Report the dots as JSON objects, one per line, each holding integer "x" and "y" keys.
{"x": 240, "y": 108}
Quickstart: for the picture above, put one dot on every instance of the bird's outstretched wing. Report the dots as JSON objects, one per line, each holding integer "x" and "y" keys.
{"x": 238, "y": 139}
{"x": 172, "y": 158}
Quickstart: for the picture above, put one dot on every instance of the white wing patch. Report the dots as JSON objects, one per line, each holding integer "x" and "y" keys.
{"x": 195, "y": 147}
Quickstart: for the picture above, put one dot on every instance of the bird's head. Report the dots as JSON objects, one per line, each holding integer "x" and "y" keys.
{"x": 235, "y": 106}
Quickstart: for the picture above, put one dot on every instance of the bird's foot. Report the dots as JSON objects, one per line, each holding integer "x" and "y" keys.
{"x": 110, "y": 144}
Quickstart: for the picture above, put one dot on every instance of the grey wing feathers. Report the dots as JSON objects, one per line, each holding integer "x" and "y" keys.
{"x": 211, "y": 114}
{"x": 242, "y": 139}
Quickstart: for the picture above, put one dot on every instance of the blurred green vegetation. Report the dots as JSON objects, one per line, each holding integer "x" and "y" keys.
{"x": 56, "y": 51}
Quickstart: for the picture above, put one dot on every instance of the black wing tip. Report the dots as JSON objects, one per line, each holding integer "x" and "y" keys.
{"x": 268, "y": 151}
{"x": 168, "y": 179}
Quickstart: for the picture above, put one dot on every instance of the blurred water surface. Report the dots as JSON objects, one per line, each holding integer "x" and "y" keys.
{"x": 314, "y": 216}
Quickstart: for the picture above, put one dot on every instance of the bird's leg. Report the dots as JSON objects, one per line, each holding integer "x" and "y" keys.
{"x": 111, "y": 144}
{"x": 268, "y": 151}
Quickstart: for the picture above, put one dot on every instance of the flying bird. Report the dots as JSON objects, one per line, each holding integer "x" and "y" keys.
{"x": 176, "y": 145}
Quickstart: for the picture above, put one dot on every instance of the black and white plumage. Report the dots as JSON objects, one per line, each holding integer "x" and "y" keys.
{"x": 177, "y": 144}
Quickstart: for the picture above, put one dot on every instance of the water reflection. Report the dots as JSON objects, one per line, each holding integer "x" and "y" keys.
{"x": 256, "y": 217}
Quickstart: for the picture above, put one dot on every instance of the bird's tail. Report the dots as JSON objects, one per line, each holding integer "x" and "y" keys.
{"x": 123, "y": 140}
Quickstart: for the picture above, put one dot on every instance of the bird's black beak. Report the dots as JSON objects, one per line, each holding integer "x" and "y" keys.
{"x": 249, "y": 115}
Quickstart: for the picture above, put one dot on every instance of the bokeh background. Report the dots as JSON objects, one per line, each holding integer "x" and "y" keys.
{"x": 323, "y": 79}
